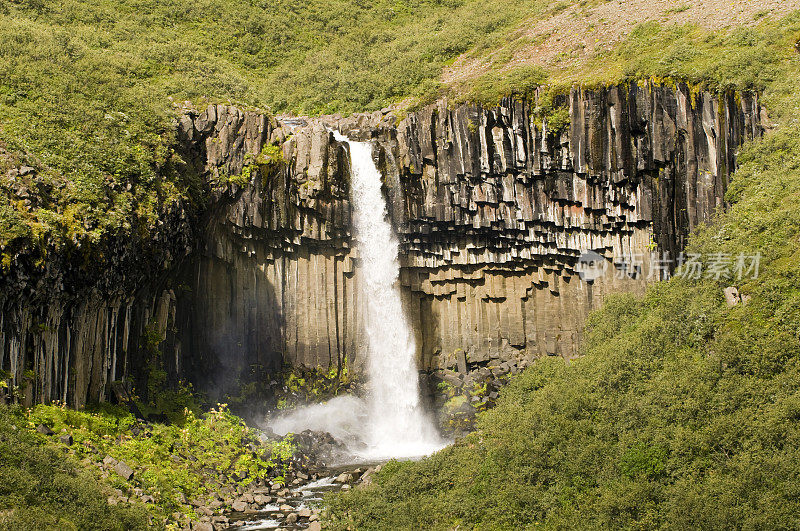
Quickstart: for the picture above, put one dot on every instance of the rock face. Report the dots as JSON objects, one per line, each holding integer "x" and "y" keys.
{"x": 493, "y": 212}
{"x": 492, "y": 208}
{"x": 273, "y": 281}
{"x": 67, "y": 334}
{"x": 498, "y": 210}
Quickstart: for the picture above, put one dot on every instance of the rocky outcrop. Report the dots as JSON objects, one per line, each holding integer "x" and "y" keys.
{"x": 67, "y": 331}
{"x": 498, "y": 209}
{"x": 273, "y": 283}
{"x": 493, "y": 210}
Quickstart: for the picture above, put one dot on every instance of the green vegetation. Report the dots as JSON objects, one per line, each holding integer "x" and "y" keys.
{"x": 741, "y": 59}
{"x": 90, "y": 88}
{"x": 307, "y": 386}
{"x": 171, "y": 463}
{"x": 41, "y": 488}
{"x": 684, "y": 411}
{"x": 159, "y": 398}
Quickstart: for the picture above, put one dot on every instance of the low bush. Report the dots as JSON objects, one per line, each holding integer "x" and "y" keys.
{"x": 43, "y": 488}
{"x": 171, "y": 463}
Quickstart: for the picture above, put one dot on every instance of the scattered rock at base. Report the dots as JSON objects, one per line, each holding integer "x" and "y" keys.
{"x": 44, "y": 430}
{"x": 366, "y": 478}
{"x": 239, "y": 506}
{"x": 123, "y": 470}
{"x": 261, "y": 499}
{"x": 314, "y": 526}
{"x": 344, "y": 477}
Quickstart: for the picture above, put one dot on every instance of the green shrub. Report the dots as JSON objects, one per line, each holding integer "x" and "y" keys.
{"x": 42, "y": 488}
{"x": 171, "y": 461}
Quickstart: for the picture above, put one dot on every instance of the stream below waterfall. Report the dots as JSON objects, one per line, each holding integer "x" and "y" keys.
{"x": 298, "y": 506}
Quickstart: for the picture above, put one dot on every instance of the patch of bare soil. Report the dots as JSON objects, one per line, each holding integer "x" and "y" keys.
{"x": 573, "y": 33}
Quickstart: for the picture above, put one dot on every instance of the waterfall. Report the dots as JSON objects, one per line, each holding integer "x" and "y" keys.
{"x": 396, "y": 424}
{"x": 390, "y": 422}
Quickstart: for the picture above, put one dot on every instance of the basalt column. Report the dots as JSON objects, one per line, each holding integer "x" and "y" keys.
{"x": 498, "y": 208}
{"x": 492, "y": 208}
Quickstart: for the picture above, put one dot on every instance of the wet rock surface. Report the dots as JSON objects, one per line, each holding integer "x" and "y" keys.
{"x": 297, "y": 506}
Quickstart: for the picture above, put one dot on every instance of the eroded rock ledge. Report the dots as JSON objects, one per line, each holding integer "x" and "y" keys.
{"x": 492, "y": 209}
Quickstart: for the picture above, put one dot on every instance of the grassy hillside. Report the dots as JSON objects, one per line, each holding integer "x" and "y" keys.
{"x": 46, "y": 484}
{"x": 89, "y": 86}
{"x": 684, "y": 411}
{"x": 41, "y": 488}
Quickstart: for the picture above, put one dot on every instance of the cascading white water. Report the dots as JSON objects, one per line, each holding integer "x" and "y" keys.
{"x": 397, "y": 424}
{"x": 391, "y": 419}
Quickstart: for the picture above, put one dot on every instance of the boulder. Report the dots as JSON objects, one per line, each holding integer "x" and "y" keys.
{"x": 731, "y": 295}
{"x": 461, "y": 361}
{"x": 344, "y": 477}
{"x": 123, "y": 470}
{"x": 65, "y": 439}
{"x": 366, "y": 478}
{"x": 44, "y": 430}
{"x": 239, "y": 506}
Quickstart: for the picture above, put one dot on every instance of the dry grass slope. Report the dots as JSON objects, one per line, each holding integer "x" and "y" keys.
{"x": 569, "y": 35}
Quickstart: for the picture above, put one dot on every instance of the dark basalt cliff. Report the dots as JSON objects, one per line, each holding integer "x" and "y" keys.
{"x": 492, "y": 210}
